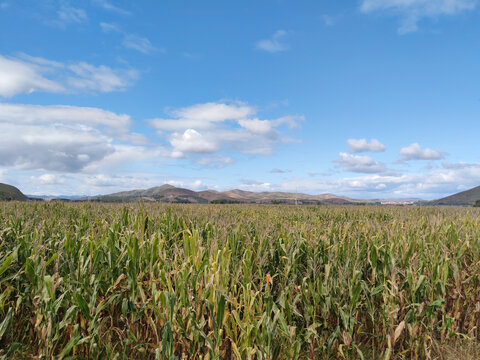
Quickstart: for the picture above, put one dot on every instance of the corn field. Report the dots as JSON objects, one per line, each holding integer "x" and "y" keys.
{"x": 153, "y": 281}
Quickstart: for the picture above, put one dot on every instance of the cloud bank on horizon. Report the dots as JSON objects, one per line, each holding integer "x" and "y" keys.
{"x": 292, "y": 104}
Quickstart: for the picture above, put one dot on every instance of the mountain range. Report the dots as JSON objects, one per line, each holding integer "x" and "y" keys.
{"x": 171, "y": 194}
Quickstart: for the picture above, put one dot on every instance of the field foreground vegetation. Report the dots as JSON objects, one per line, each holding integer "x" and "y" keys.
{"x": 106, "y": 281}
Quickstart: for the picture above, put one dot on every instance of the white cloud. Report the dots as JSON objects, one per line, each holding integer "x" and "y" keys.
{"x": 126, "y": 154}
{"x": 195, "y": 185}
{"x": 69, "y": 139}
{"x": 362, "y": 145}
{"x": 138, "y": 43}
{"x": 46, "y": 115}
{"x": 100, "y": 78}
{"x": 214, "y": 112}
{"x": 64, "y": 138}
{"x": 26, "y": 74}
{"x": 415, "y": 152}
{"x": 274, "y": 44}
{"x": 360, "y": 164}
{"x": 55, "y": 147}
{"x": 48, "y": 179}
{"x": 216, "y": 162}
{"x": 17, "y": 77}
{"x": 256, "y": 126}
{"x": 211, "y": 127}
{"x": 130, "y": 41}
{"x": 191, "y": 141}
{"x": 107, "y": 27}
{"x": 293, "y": 121}
{"x": 257, "y": 186}
{"x": 68, "y": 14}
{"x": 412, "y": 11}
{"x": 97, "y": 183}
{"x": 106, "y": 5}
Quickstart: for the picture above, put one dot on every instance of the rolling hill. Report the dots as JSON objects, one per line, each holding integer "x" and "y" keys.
{"x": 164, "y": 193}
{"x": 9, "y": 192}
{"x": 171, "y": 194}
{"x": 468, "y": 197}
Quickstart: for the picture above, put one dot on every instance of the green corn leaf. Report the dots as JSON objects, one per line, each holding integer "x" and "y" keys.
{"x": 6, "y": 322}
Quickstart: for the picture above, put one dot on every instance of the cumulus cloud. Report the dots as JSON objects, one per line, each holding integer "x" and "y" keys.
{"x": 61, "y": 138}
{"x": 26, "y": 74}
{"x": 212, "y": 127}
{"x": 362, "y": 145}
{"x": 416, "y": 152}
{"x": 55, "y": 147}
{"x": 412, "y": 11}
{"x": 191, "y": 141}
{"x": 274, "y": 44}
{"x": 360, "y": 164}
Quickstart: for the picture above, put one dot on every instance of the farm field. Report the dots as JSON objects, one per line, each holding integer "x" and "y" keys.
{"x": 159, "y": 281}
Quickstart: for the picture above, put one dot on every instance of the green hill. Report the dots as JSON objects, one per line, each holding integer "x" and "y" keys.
{"x": 463, "y": 198}
{"x": 165, "y": 193}
{"x": 171, "y": 194}
{"x": 8, "y": 192}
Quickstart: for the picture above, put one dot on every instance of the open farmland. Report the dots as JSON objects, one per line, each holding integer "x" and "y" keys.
{"x": 157, "y": 281}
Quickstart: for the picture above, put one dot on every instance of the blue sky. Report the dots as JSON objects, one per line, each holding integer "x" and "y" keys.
{"x": 368, "y": 98}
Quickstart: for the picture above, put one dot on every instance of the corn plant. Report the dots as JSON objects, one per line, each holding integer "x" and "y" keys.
{"x": 157, "y": 281}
